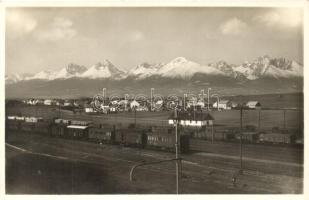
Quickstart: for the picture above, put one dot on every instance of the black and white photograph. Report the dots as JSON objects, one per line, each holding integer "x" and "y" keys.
{"x": 154, "y": 100}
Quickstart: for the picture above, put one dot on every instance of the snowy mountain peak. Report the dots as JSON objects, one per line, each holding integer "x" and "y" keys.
{"x": 71, "y": 70}
{"x": 103, "y": 69}
{"x": 144, "y": 65}
{"x": 144, "y": 70}
{"x": 106, "y": 62}
{"x": 179, "y": 60}
{"x": 44, "y": 75}
{"x": 183, "y": 68}
{"x": 180, "y": 67}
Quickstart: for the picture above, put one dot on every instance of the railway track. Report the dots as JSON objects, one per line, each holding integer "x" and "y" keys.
{"x": 217, "y": 171}
{"x": 258, "y": 151}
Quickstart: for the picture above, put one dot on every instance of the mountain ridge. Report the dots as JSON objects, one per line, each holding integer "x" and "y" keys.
{"x": 180, "y": 67}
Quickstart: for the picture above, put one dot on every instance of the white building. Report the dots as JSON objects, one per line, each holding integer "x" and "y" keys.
{"x": 112, "y": 109}
{"x": 253, "y": 105}
{"x": 89, "y": 110}
{"x": 223, "y": 104}
{"x": 200, "y": 104}
{"x": 115, "y": 102}
{"x": 197, "y": 119}
{"x": 67, "y": 103}
{"x": 48, "y": 102}
{"x": 134, "y": 104}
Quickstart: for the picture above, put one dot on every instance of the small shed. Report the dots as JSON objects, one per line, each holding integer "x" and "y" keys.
{"x": 134, "y": 104}
{"x": 253, "y": 105}
{"x": 48, "y": 102}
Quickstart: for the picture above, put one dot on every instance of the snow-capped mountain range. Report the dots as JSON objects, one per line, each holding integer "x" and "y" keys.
{"x": 177, "y": 68}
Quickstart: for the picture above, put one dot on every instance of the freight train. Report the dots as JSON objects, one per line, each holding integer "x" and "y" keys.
{"x": 153, "y": 137}
{"x": 142, "y": 137}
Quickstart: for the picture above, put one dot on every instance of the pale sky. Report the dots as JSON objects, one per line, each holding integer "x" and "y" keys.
{"x": 49, "y": 38}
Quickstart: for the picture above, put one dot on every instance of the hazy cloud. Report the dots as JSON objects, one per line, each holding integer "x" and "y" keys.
{"x": 284, "y": 18}
{"x": 234, "y": 27}
{"x": 19, "y": 23}
{"x": 61, "y": 28}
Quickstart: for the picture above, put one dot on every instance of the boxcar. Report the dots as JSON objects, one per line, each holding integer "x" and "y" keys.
{"x": 131, "y": 137}
{"x": 164, "y": 138}
{"x": 76, "y": 132}
{"x": 57, "y": 130}
{"x": 12, "y": 125}
{"x": 218, "y": 136}
{"x": 42, "y": 127}
{"x": 250, "y": 137}
{"x": 62, "y": 121}
{"x": 27, "y": 126}
{"x": 20, "y": 118}
{"x": 277, "y": 138}
{"x": 80, "y": 123}
{"x": 102, "y": 134}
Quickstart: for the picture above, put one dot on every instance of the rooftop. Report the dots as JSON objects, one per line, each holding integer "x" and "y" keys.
{"x": 199, "y": 116}
{"x": 77, "y": 127}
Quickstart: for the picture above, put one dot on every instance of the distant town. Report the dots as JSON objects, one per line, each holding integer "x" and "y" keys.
{"x": 141, "y": 103}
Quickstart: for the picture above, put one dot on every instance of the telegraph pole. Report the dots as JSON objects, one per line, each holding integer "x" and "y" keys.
{"x": 259, "y": 122}
{"x": 284, "y": 122}
{"x": 240, "y": 139}
{"x": 203, "y": 96}
{"x": 176, "y": 149}
{"x": 125, "y": 102}
{"x": 184, "y": 102}
{"x": 103, "y": 93}
{"x": 208, "y": 98}
{"x": 151, "y": 98}
{"x": 135, "y": 116}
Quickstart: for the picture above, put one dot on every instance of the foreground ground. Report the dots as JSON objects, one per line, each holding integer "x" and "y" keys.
{"x": 42, "y": 165}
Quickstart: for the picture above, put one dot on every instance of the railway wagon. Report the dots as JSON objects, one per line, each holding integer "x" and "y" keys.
{"x": 76, "y": 132}
{"x": 62, "y": 121}
{"x": 164, "y": 138}
{"x": 196, "y": 132}
{"x": 57, "y": 130}
{"x": 33, "y": 119}
{"x": 104, "y": 134}
{"x": 276, "y": 138}
{"x": 42, "y": 127}
{"x": 131, "y": 137}
{"x": 219, "y": 136}
{"x": 12, "y": 125}
{"x": 251, "y": 137}
{"x": 26, "y": 126}
{"x": 80, "y": 123}
{"x": 20, "y": 118}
